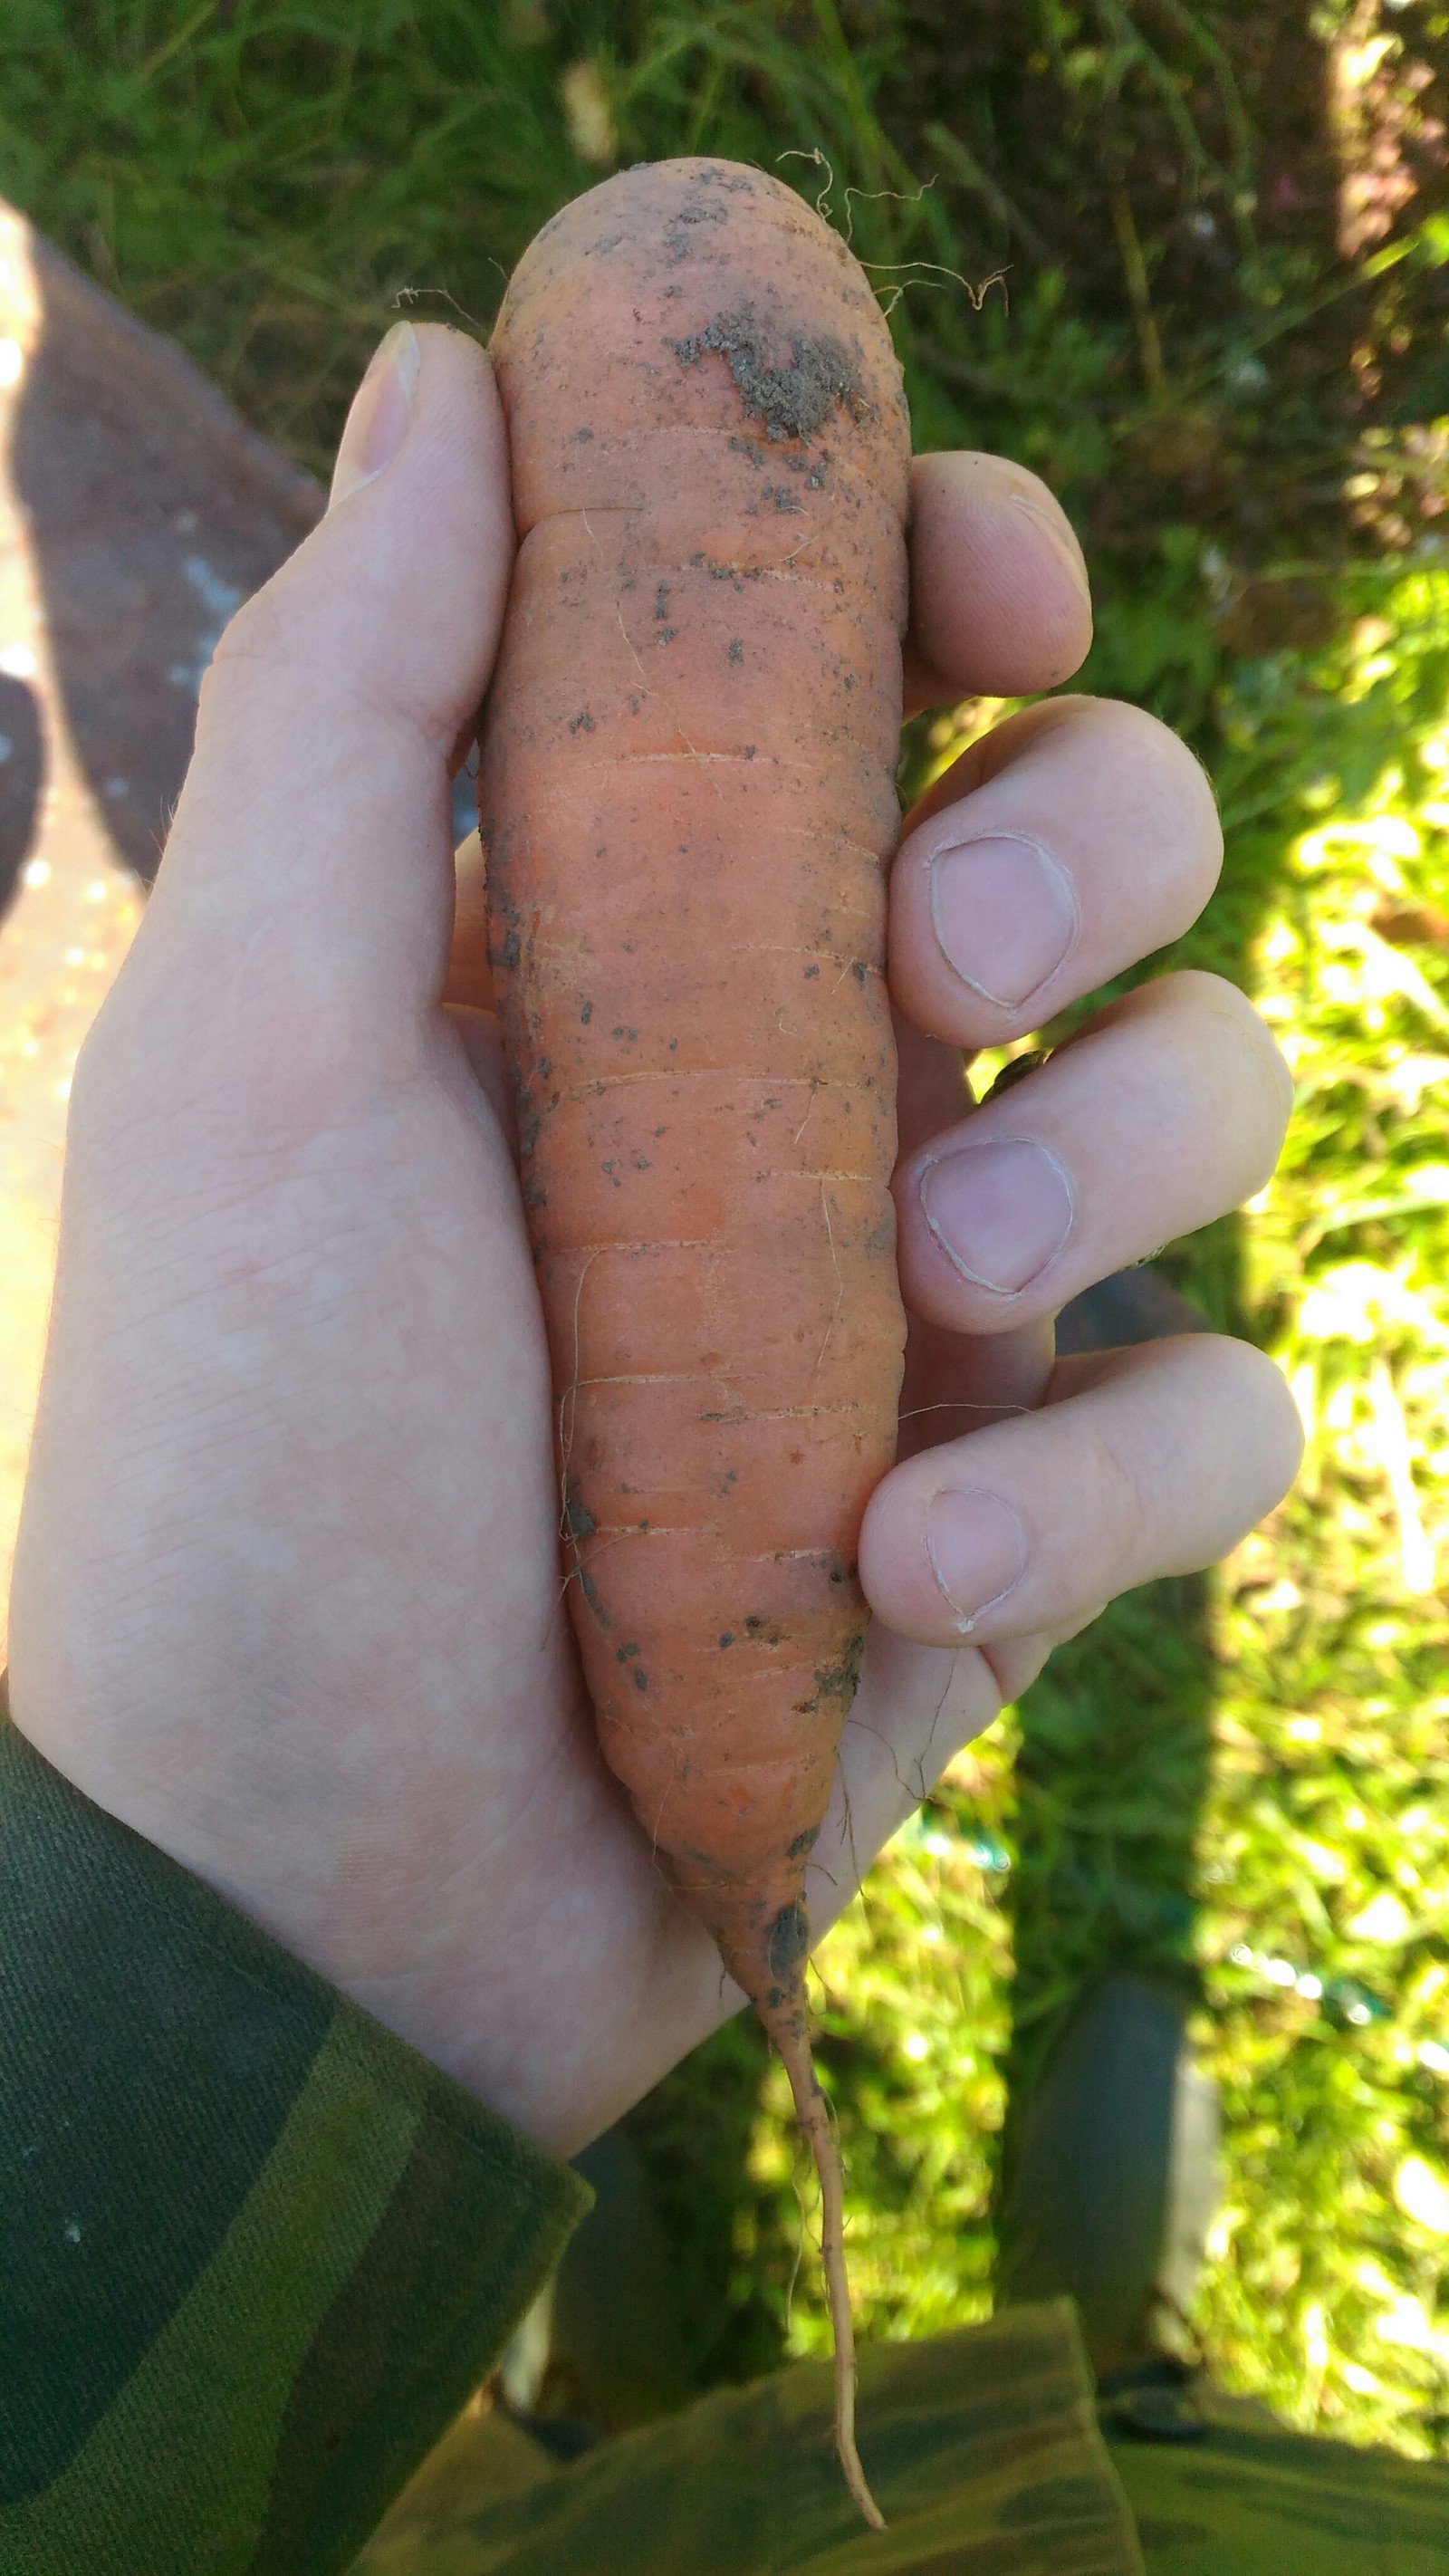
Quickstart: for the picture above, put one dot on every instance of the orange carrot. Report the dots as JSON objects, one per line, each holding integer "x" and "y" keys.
{"x": 688, "y": 805}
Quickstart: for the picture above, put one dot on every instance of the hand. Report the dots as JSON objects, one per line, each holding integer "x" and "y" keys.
{"x": 287, "y": 1591}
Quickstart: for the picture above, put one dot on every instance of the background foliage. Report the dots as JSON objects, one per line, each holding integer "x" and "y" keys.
{"x": 1191, "y": 262}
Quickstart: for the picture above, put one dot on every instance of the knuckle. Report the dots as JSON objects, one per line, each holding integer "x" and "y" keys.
{"x": 244, "y": 662}
{"x": 1137, "y": 770}
{"x": 1234, "y": 1022}
{"x": 1229, "y": 1381}
{"x": 1221, "y": 1010}
{"x": 255, "y": 631}
{"x": 110, "y": 1070}
{"x": 1128, "y": 1499}
{"x": 1271, "y": 1415}
{"x": 1169, "y": 786}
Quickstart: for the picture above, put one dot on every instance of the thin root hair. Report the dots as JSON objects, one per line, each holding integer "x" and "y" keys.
{"x": 871, "y": 196}
{"x": 700, "y": 759}
{"x": 803, "y": 2214}
{"x": 849, "y": 1815}
{"x": 933, "y": 272}
{"x": 964, "y": 1404}
{"x": 815, "y": 155}
{"x": 902, "y": 1783}
{"x": 411, "y": 294}
{"x": 923, "y": 1792}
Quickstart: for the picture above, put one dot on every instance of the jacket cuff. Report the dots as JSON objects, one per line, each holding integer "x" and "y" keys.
{"x": 254, "y": 2250}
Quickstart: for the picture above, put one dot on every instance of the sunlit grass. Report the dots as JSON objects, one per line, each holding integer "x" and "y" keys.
{"x": 1326, "y": 1844}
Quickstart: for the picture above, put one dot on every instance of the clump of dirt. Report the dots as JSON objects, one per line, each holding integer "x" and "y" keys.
{"x": 793, "y": 401}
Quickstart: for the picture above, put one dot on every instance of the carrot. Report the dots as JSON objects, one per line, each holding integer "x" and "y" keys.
{"x": 687, "y": 798}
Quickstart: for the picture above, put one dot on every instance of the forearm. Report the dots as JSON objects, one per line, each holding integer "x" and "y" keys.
{"x": 258, "y": 2251}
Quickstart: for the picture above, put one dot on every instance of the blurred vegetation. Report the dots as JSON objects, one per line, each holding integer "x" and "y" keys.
{"x": 1191, "y": 262}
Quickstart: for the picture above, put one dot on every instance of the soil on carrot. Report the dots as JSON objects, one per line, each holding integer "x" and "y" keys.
{"x": 793, "y": 401}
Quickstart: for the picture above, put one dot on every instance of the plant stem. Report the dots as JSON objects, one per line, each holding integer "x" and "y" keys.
{"x": 1134, "y": 270}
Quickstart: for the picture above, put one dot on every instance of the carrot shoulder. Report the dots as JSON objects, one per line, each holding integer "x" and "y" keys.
{"x": 688, "y": 806}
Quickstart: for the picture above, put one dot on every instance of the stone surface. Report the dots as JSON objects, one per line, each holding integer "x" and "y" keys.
{"x": 137, "y": 510}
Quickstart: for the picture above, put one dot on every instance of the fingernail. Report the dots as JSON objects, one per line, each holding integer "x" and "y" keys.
{"x": 978, "y": 1551}
{"x": 1000, "y": 1211}
{"x": 1006, "y": 915}
{"x": 381, "y": 409}
{"x": 1063, "y": 541}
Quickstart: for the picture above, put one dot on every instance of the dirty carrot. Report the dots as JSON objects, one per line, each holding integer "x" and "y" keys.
{"x": 688, "y": 804}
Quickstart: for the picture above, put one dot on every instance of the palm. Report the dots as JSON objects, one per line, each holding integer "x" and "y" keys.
{"x": 341, "y": 1360}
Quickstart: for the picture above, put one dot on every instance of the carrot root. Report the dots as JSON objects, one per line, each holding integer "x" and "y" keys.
{"x": 687, "y": 798}
{"x": 814, "y": 2124}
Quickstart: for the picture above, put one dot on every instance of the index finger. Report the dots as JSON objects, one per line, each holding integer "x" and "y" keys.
{"x": 1000, "y": 602}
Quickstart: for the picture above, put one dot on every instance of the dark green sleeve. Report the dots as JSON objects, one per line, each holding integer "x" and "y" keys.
{"x": 254, "y": 2252}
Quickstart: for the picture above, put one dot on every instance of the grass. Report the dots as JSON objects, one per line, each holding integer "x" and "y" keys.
{"x": 1246, "y": 1777}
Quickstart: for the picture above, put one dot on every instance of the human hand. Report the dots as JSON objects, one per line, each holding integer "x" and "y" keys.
{"x": 287, "y": 1588}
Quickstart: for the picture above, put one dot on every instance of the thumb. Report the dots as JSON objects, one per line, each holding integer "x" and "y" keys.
{"x": 312, "y": 847}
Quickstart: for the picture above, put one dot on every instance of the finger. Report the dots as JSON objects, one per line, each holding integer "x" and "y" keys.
{"x": 313, "y": 837}
{"x": 1153, "y": 1461}
{"x": 1168, "y": 1111}
{"x": 468, "y": 995}
{"x": 1000, "y": 602}
{"x": 1060, "y": 850}
{"x": 468, "y": 982}
{"x": 954, "y": 1382}
{"x": 914, "y": 1709}
{"x": 932, "y": 1089}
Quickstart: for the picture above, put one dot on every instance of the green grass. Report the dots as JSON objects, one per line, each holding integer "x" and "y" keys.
{"x": 1241, "y": 1777}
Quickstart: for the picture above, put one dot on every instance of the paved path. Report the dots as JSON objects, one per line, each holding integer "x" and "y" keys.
{"x": 136, "y": 511}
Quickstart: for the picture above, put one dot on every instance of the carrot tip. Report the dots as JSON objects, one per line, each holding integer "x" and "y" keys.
{"x": 860, "y": 2494}
{"x": 814, "y": 2126}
